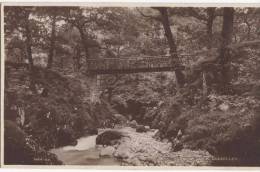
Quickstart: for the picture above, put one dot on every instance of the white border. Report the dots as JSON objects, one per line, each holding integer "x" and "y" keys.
{"x": 143, "y": 1}
{"x": 122, "y": 3}
{"x": 134, "y": 3}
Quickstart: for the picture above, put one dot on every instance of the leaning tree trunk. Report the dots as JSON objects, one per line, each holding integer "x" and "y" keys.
{"x": 224, "y": 58}
{"x": 52, "y": 42}
{"x": 173, "y": 48}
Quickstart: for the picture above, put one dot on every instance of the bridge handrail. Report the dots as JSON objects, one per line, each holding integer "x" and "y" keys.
{"x": 139, "y": 58}
{"x": 124, "y": 59}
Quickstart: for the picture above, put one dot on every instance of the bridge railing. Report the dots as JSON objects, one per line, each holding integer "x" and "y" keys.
{"x": 128, "y": 63}
{"x": 144, "y": 62}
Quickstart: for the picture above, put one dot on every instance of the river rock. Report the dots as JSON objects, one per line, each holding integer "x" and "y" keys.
{"x": 120, "y": 119}
{"x": 65, "y": 137}
{"x": 107, "y": 151}
{"x": 135, "y": 161}
{"x": 122, "y": 152}
{"x": 133, "y": 124}
{"x": 178, "y": 146}
{"x": 156, "y": 134}
{"x": 147, "y": 127}
{"x": 224, "y": 107}
{"x": 140, "y": 129}
{"x": 165, "y": 140}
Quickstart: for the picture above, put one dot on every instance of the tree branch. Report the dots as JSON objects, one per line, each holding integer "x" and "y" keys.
{"x": 245, "y": 44}
{"x": 157, "y": 18}
{"x": 195, "y": 14}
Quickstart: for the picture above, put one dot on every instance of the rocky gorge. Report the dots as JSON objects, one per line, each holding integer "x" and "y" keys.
{"x": 138, "y": 149}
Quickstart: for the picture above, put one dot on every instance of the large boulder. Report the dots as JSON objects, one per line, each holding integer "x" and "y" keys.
{"x": 109, "y": 137}
{"x": 107, "y": 151}
{"x": 15, "y": 147}
{"x": 20, "y": 149}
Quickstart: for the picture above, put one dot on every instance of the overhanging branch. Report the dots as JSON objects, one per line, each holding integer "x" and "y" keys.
{"x": 157, "y": 18}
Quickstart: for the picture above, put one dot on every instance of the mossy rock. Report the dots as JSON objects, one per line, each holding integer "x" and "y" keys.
{"x": 19, "y": 149}
{"x": 109, "y": 137}
{"x": 16, "y": 151}
{"x": 66, "y": 137}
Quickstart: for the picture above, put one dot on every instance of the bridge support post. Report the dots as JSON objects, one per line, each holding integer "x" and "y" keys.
{"x": 94, "y": 85}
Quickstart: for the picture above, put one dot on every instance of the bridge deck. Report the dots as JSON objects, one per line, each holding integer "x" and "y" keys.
{"x": 130, "y": 65}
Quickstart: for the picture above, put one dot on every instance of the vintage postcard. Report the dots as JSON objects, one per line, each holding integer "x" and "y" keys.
{"x": 110, "y": 85}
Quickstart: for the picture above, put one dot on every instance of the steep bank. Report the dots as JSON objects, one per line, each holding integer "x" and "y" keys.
{"x": 225, "y": 125}
{"x": 55, "y": 115}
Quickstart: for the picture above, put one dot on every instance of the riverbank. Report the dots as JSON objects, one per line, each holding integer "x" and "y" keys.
{"x": 142, "y": 149}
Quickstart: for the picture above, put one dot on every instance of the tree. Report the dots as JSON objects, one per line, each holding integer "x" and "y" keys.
{"x": 83, "y": 20}
{"x": 224, "y": 57}
{"x": 246, "y": 23}
{"x": 164, "y": 19}
{"x": 53, "y": 33}
{"x": 173, "y": 48}
{"x": 18, "y": 19}
{"x": 120, "y": 38}
{"x": 210, "y": 19}
{"x": 53, "y": 12}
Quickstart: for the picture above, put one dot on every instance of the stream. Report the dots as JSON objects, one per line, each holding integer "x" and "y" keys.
{"x": 84, "y": 153}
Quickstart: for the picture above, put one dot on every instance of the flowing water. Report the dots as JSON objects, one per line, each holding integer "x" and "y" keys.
{"x": 84, "y": 153}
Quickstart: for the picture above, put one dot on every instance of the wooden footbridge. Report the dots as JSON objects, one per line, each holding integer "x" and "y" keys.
{"x": 99, "y": 66}
{"x": 131, "y": 65}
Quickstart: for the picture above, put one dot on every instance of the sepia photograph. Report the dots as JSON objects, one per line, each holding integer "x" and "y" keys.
{"x": 131, "y": 86}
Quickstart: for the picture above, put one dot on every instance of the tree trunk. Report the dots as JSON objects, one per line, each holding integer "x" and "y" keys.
{"x": 52, "y": 42}
{"x": 227, "y": 32}
{"x": 77, "y": 52}
{"x": 210, "y": 20}
{"x": 84, "y": 44}
{"x": 248, "y": 29}
{"x": 173, "y": 48}
{"x": 28, "y": 43}
{"x": 109, "y": 92}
